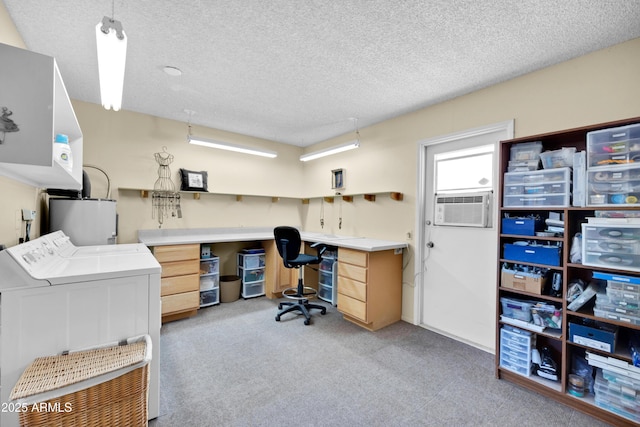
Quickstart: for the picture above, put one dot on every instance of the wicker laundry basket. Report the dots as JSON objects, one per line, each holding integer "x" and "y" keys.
{"x": 105, "y": 386}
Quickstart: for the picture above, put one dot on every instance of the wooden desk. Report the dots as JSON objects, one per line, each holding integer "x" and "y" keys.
{"x": 369, "y": 270}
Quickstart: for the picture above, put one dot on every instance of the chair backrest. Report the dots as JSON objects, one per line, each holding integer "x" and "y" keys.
{"x": 288, "y": 242}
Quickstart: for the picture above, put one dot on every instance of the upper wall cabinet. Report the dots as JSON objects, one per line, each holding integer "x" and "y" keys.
{"x": 34, "y": 107}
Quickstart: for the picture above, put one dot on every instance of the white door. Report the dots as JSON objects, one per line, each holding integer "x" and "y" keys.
{"x": 457, "y": 264}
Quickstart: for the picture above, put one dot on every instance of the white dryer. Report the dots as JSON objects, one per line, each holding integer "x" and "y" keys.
{"x": 55, "y": 296}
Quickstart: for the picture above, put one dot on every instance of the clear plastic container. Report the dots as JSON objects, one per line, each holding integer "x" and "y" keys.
{"x": 561, "y": 158}
{"x": 614, "y": 146}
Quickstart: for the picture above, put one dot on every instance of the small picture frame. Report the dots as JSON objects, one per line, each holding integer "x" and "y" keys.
{"x": 337, "y": 179}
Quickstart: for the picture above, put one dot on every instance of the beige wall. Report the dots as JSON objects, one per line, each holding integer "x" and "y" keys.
{"x": 594, "y": 88}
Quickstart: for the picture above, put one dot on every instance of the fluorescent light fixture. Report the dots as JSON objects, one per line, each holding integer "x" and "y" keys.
{"x": 112, "y": 53}
{"x": 230, "y": 147}
{"x": 329, "y": 151}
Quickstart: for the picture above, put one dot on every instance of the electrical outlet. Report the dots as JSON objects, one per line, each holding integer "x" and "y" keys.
{"x": 28, "y": 214}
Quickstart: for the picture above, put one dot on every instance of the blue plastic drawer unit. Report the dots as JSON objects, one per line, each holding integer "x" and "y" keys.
{"x": 535, "y": 254}
{"x": 611, "y": 246}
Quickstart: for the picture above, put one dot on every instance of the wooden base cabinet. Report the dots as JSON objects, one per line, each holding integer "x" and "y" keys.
{"x": 277, "y": 276}
{"x": 370, "y": 287}
{"x": 180, "y": 280}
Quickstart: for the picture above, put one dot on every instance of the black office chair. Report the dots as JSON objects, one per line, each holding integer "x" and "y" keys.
{"x": 289, "y": 242}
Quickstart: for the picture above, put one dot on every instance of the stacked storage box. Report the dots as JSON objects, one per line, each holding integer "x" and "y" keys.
{"x": 251, "y": 264}
{"x": 515, "y": 349}
{"x": 327, "y": 279}
{"x": 622, "y": 299}
{"x": 613, "y": 166}
{"x": 611, "y": 243}
{"x": 617, "y": 386}
{"x": 542, "y": 188}
{"x": 209, "y": 280}
{"x": 618, "y": 393}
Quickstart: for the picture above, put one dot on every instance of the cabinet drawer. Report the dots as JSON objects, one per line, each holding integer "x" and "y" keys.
{"x": 352, "y": 288}
{"x": 180, "y": 302}
{"x": 352, "y": 307}
{"x": 176, "y": 252}
{"x": 352, "y": 271}
{"x": 351, "y": 256}
{"x": 180, "y": 284}
{"x": 180, "y": 268}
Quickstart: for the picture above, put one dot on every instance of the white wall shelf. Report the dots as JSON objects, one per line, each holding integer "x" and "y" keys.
{"x": 371, "y": 197}
{"x": 40, "y": 108}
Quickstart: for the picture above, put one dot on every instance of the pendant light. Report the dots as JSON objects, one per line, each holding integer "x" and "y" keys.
{"x": 111, "y": 42}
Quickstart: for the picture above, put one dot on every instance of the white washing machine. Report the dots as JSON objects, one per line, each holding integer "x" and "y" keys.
{"x": 55, "y": 296}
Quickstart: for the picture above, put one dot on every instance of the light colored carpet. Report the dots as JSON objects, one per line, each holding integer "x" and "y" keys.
{"x": 234, "y": 365}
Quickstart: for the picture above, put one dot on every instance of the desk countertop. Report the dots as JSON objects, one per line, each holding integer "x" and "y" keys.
{"x": 161, "y": 237}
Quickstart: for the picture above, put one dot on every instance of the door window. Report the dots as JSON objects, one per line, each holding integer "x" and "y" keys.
{"x": 467, "y": 170}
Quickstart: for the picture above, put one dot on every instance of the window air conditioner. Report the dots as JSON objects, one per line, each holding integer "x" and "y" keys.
{"x": 463, "y": 209}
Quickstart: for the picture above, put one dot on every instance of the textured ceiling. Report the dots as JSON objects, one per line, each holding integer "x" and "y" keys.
{"x": 300, "y": 72}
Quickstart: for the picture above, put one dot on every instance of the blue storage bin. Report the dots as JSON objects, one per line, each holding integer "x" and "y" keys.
{"x": 547, "y": 255}
{"x": 522, "y": 226}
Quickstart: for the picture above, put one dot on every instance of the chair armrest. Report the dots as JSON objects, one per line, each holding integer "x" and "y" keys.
{"x": 320, "y": 247}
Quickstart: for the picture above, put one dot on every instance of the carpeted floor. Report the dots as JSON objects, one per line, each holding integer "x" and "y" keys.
{"x": 234, "y": 365}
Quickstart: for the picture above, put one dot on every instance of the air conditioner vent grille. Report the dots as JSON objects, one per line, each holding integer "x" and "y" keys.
{"x": 465, "y": 210}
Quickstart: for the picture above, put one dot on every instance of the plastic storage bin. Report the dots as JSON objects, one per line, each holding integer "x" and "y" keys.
{"x": 613, "y": 146}
{"x": 209, "y": 297}
{"x": 515, "y": 351}
{"x": 526, "y": 151}
{"x": 254, "y": 275}
{"x": 534, "y": 254}
{"x": 516, "y": 309}
{"x": 210, "y": 266}
{"x": 253, "y": 290}
{"x": 247, "y": 261}
{"x": 548, "y": 188}
{"x": 558, "y": 158}
{"x": 209, "y": 282}
{"x": 619, "y": 241}
{"x": 615, "y": 185}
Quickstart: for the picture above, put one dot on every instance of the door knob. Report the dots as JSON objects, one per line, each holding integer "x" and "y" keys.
{"x": 430, "y": 245}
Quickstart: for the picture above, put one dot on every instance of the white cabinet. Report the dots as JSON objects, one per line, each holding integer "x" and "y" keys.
{"x": 34, "y": 107}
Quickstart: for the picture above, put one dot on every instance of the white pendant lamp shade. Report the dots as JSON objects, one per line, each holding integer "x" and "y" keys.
{"x": 112, "y": 54}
